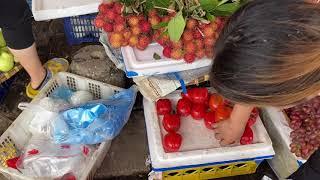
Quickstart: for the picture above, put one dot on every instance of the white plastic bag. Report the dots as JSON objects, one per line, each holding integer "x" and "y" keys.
{"x": 44, "y": 159}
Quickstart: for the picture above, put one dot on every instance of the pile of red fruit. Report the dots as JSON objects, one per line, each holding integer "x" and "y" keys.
{"x": 123, "y": 31}
{"x": 200, "y": 104}
{"x": 305, "y": 123}
{"x": 197, "y": 40}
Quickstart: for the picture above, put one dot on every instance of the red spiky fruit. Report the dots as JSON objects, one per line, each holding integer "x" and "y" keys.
{"x": 133, "y": 20}
{"x": 143, "y": 41}
{"x": 191, "y": 24}
{"x": 152, "y": 13}
{"x": 200, "y": 53}
{"x": 125, "y": 43}
{"x": 103, "y": 8}
{"x": 208, "y": 31}
{"x": 165, "y": 19}
{"x": 118, "y": 27}
{"x": 214, "y": 26}
{"x": 135, "y": 30}
{"x": 177, "y": 45}
{"x": 167, "y": 51}
{"x": 99, "y": 22}
{"x": 189, "y": 57}
{"x": 189, "y": 47}
{"x": 133, "y": 41}
{"x": 154, "y": 20}
{"x": 197, "y": 34}
{"x": 110, "y": 15}
{"x": 187, "y": 35}
{"x": 116, "y": 39}
{"x": 145, "y": 26}
{"x": 176, "y": 54}
{"x": 163, "y": 39}
{"x": 126, "y": 34}
{"x": 108, "y": 27}
{"x": 120, "y": 19}
{"x": 141, "y": 17}
{"x": 199, "y": 43}
{"x": 117, "y": 7}
{"x": 209, "y": 42}
{"x": 109, "y": 5}
{"x": 209, "y": 53}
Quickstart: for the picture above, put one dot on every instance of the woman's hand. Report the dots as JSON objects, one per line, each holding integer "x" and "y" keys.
{"x": 230, "y": 130}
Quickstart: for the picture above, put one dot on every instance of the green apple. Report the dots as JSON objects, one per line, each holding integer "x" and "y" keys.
{"x": 2, "y": 41}
{"x": 6, "y": 61}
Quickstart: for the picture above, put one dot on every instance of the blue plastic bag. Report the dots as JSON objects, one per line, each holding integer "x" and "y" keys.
{"x": 96, "y": 121}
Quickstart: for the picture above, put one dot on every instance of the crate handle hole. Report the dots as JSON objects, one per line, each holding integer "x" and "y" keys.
{"x": 206, "y": 169}
{"x": 190, "y": 171}
{"x": 241, "y": 165}
{"x": 223, "y": 167}
{"x": 173, "y": 173}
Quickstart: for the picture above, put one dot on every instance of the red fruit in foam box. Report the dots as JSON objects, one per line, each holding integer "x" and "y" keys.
{"x": 171, "y": 122}
{"x": 143, "y": 42}
{"x": 189, "y": 57}
{"x": 145, "y": 26}
{"x": 247, "y": 136}
{"x": 133, "y": 20}
{"x": 184, "y": 107}
{"x": 108, "y": 27}
{"x": 172, "y": 142}
{"x": 210, "y": 119}
{"x": 199, "y": 95}
{"x": 198, "y": 111}
{"x": 167, "y": 51}
{"x": 163, "y": 106}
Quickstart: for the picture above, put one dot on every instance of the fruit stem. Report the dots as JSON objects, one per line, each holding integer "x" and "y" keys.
{"x": 170, "y": 10}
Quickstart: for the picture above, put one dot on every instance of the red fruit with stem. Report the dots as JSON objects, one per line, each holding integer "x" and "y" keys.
{"x": 99, "y": 22}
{"x": 208, "y": 31}
{"x": 167, "y": 51}
{"x": 165, "y": 19}
{"x": 197, "y": 34}
{"x": 171, "y": 122}
{"x": 133, "y": 41}
{"x": 191, "y": 24}
{"x": 145, "y": 26}
{"x": 163, "y": 106}
{"x": 187, "y": 35}
{"x": 110, "y": 15}
{"x": 133, "y": 20}
{"x": 103, "y": 8}
{"x": 177, "y": 45}
{"x": 215, "y": 101}
{"x": 210, "y": 119}
{"x": 189, "y": 57}
{"x": 127, "y": 34}
{"x": 199, "y": 95}
{"x": 135, "y": 30}
{"x": 172, "y": 142}
{"x": 199, "y": 44}
{"x": 189, "y": 47}
{"x": 117, "y": 7}
{"x": 222, "y": 113}
{"x": 108, "y": 27}
{"x": 184, "y": 107}
{"x": 116, "y": 39}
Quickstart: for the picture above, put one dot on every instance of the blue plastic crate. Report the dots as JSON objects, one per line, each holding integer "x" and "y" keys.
{"x": 79, "y": 29}
{"x": 4, "y": 88}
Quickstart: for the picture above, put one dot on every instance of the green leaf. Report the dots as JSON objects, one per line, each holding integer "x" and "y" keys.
{"x": 210, "y": 17}
{"x": 156, "y": 56}
{"x": 176, "y": 27}
{"x": 209, "y": 5}
{"x": 149, "y": 5}
{"x": 229, "y": 7}
{"x": 222, "y": 2}
{"x": 160, "y": 25}
{"x": 162, "y": 3}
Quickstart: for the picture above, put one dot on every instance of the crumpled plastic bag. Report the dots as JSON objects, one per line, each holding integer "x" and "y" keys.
{"x": 96, "y": 121}
{"x": 42, "y": 158}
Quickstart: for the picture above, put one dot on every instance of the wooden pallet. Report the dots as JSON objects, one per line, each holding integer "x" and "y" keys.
{"x": 8, "y": 75}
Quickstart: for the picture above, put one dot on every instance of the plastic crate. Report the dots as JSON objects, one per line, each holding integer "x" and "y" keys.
{"x": 200, "y": 150}
{"x": 4, "y": 88}
{"x": 80, "y": 29}
{"x": 18, "y": 135}
{"x": 285, "y": 163}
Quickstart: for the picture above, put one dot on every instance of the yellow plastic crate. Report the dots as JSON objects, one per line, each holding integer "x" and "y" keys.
{"x": 211, "y": 172}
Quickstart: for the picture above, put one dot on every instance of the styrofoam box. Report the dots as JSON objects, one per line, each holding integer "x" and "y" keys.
{"x": 199, "y": 146}
{"x": 18, "y": 132}
{"x": 53, "y": 9}
{"x": 142, "y": 63}
{"x": 285, "y": 162}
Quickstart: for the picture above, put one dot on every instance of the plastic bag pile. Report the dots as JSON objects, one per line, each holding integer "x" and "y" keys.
{"x": 67, "y": 128}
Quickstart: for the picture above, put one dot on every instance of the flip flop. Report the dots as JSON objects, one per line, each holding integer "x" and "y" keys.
{"x": 53, "y": 66}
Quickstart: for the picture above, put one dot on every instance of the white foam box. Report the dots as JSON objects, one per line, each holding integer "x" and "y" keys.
{"x": 142, "y": 63}
{"x": 284, "y": 163}
{"x": 199, "y": 146}
{"x": 53, "y": 9}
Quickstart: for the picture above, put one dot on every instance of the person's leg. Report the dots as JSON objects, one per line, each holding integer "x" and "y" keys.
{"x": 15, "y": 21}
{"x": 30, "y": 61}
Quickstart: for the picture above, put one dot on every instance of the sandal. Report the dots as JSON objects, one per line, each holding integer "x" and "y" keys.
{"x": 53, "y": 66}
